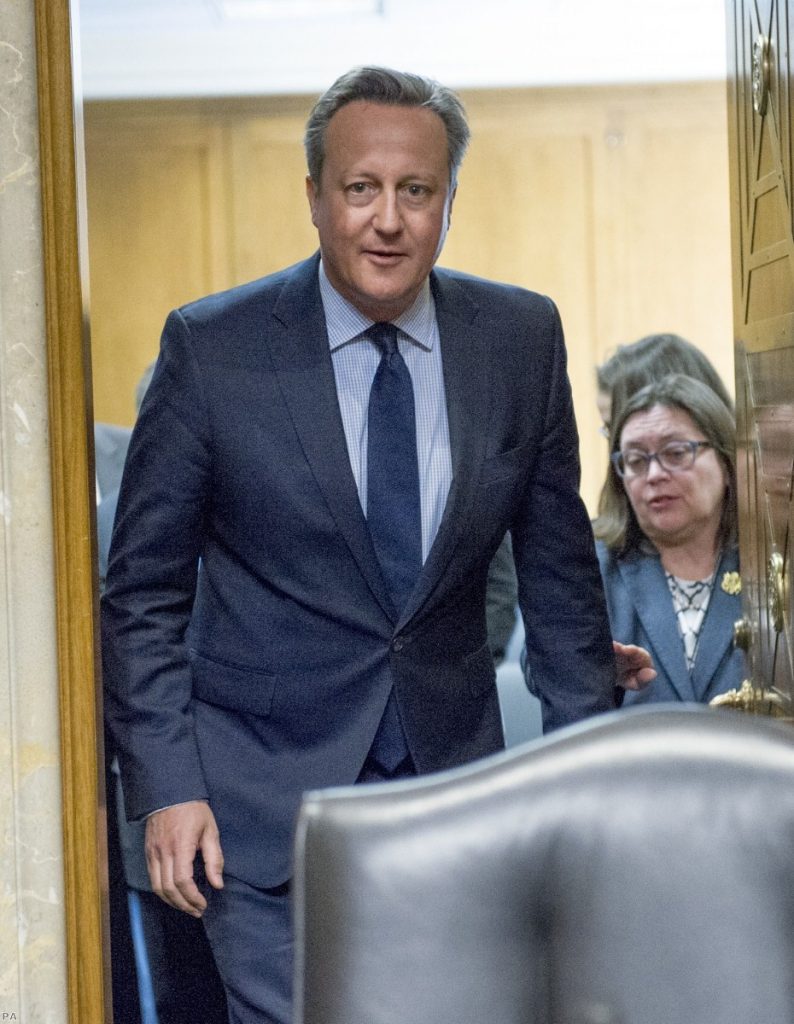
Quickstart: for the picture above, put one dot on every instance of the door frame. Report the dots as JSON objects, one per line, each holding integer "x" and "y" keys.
{"x": 74, "y": 513}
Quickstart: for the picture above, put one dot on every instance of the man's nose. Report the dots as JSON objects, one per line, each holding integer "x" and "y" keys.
{"x": 388, "y": 218}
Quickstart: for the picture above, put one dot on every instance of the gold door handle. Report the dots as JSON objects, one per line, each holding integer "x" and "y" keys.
{"x": 754, "y": 700}
{"x": 743, "y": 634}
{"x": 777, "y": 582}
{"x": 761, "y": 74}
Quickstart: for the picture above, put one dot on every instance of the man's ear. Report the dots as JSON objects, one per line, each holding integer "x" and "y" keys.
{"x": 311, "y": 195}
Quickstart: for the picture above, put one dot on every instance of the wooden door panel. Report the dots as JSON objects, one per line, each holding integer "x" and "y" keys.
{"x": 766, "y": 479}
{"x": 154, "y": 245}
{"x": 760, "y": 139}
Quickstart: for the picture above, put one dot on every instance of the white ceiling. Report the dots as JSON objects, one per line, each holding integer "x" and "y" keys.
{"x": 135, "y": 48}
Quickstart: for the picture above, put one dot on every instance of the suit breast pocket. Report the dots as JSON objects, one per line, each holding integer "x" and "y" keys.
{"x": 512, "y": 463}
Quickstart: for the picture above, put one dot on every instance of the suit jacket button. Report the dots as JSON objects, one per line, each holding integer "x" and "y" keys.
{"x": 398, "y": 645}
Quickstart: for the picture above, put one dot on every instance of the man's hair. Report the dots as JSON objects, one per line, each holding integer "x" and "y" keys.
{"x": 391, "y": 88}
{"x": 617, "y": 524}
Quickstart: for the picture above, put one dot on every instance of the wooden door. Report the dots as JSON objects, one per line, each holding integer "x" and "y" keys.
{"x": 760, "y": 139}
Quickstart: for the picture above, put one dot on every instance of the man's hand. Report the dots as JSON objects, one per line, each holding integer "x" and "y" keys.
{"x": 635, "y": 667}
{"x": 173, "y": 836}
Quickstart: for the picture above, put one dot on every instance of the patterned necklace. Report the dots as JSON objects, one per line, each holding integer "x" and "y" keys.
{"x": 690, "y": 601}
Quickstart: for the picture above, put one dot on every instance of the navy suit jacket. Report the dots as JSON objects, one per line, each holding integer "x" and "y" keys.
{"x": 641, "y": 612}
{"x": 249, "y": 642}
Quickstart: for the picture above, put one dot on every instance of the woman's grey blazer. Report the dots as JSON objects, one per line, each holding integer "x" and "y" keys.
{"x": 641, "y": 612}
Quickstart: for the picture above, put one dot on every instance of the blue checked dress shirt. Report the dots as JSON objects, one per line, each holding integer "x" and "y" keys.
{"x": 355, "y": 359}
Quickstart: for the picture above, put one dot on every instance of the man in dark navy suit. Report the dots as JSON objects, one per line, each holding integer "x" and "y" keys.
{"x": 291, "y": 605}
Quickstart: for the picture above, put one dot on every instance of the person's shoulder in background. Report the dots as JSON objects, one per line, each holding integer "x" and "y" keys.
{"x": 110, "y": 450}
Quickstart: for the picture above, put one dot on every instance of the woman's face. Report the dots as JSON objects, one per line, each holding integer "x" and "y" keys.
{"x": 674, "y": 508}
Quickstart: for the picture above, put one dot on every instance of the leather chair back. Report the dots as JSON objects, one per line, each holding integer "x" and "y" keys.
{"x": 635, "y": 869}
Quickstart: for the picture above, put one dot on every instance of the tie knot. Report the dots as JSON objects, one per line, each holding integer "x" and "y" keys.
{"x": 384, "y": 335}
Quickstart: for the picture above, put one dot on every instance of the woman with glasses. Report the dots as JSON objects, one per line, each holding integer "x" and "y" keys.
{"x": 666, "y": 538}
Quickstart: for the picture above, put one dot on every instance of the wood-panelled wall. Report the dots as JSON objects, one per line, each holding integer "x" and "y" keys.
{"x": 613, "y": 200}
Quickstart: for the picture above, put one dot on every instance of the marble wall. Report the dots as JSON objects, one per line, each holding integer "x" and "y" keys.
{"x": 32, "y": 931}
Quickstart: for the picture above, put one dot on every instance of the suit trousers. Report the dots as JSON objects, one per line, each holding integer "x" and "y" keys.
{"x": 250, "y": 932}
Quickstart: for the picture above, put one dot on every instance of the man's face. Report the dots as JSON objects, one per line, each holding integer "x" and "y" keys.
{"x": 383, "y": 203}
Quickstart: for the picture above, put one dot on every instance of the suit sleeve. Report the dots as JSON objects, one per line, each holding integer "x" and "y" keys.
{"x": 568, "y": 639}
{"x": 151, "y": 581}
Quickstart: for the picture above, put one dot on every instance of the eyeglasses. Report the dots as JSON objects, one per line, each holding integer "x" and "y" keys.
{"x": 674, "y": 457}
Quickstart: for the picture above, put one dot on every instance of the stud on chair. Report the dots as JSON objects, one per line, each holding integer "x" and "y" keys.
{"x": 635, "y": 869}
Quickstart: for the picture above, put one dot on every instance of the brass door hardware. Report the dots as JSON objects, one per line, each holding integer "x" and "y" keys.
{"x": 761, "y": 74}
{"x": 777, "y": 580}
{"x": 753, "y": 700}
{"x": 742, "y": 634}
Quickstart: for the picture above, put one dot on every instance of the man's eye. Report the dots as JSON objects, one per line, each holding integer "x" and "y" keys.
{"x": 360, "y": 189}
{"x": 417, "y": 191}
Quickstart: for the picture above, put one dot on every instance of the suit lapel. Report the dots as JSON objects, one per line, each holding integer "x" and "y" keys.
{"x": 717, "y": 633}
{"x": 464, "y": 353}
{"x": 644, "y": 579}
{"x": 302, "y": 360}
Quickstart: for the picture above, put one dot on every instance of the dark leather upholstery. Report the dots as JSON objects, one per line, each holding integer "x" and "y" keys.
{"x": 636, "y": 869}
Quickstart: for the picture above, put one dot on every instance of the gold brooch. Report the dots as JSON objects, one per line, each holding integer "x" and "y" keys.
{"x": 732, "y": 583}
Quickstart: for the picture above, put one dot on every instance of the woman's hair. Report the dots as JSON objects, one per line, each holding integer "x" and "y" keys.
{"x": 391, "y": 88}
{"x": 617, "y": 524}
{"x": 655, "y": 356}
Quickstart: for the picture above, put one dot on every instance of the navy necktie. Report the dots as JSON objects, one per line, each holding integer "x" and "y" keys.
{"x": 393, "y": 501}
{"x": 393, "y": 504}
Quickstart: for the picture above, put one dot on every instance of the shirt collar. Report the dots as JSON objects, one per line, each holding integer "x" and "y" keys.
{"x": 345, "y": 323}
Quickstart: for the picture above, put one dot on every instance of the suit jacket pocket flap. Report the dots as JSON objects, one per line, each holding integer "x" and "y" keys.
{"x": 232, "y": 686}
